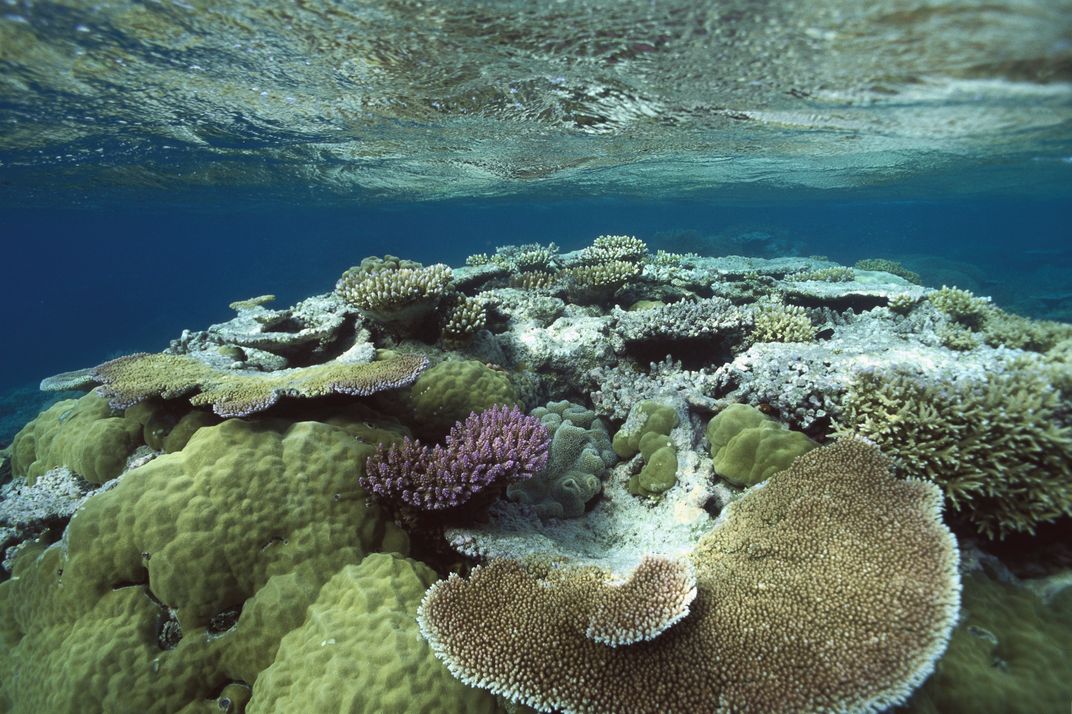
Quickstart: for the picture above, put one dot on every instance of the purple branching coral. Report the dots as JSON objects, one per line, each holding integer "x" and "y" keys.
{"x": 499, "y": 445}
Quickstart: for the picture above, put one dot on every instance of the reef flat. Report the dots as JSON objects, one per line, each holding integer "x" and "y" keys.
{"x": 608, "y": 480}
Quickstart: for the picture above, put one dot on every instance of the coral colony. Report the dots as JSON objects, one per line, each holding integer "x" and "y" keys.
{"x": 598, "y": 481}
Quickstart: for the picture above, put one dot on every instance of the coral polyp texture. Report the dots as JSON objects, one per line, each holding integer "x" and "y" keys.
{"x": 606, "y": 249}
{"x": 495, "y": 447}
{"x": 127, "y": 380}
{"x": 776, "y": 624}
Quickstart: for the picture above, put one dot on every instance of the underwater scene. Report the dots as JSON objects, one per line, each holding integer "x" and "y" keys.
{"x": 637, "y": 356}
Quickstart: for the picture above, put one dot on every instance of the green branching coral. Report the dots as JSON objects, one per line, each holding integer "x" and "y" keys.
{"x": 1010, "y": 330}
{"x": 134, "y": 378}
{"x": 532, "y": 280}
{"x": 961, "y": 305}
{"x": 782, "y": 323}
{"x": 889, "y": 266}
{"x": 902, "y": 303}
{"x": 395, "y": 295}
{"x": 996, "y": 447}
{"x": 957, "y": 337}
{"x": 518, "y": 258}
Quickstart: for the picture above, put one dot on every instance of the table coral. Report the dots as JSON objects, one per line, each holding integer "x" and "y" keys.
{"x": 832, "y": 588}
{"x": 127, "y": 380}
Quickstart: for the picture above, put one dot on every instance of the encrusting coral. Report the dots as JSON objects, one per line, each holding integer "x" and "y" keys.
{"x": 127, "y": 380}
{"x": 776, "y": 626}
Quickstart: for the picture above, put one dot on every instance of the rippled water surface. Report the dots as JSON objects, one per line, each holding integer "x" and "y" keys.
{"x": 333, "y": 102}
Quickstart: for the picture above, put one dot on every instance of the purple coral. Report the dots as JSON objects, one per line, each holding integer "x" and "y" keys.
{"x": 496, "y": 446}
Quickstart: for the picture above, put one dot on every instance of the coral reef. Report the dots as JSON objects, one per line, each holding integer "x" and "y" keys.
{"x": 359, "y": 650}
{"x": 718, "y": 554}
{"x": 398, "y": 293}
{"x": 747, "y": 446}
{"x": 774, "y": 565}
{"x": 889, "y": 266}
{"x": 86, "y": 435}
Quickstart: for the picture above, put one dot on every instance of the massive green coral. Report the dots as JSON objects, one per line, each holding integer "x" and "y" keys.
{"x": 85, "y": 435}
{"x": 747, "y": 446}
{"x": 359, "y": 650}
{"x": 647, "y": 432}
{"x": 1009, "y": 654}
{"x": 997, "y": 447}
{"x": 182, "y": 579}
{"x": 454, "y": 389}
{"x": 134, "y": 378}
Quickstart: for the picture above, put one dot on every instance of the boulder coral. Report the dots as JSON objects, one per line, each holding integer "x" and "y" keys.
{"x": 359, "y": 650}
{"x": 834, "y": 587}
{"x": 85, "y": 435}
{"x": 182, "y": 579}
{"x": 747, "y": 446}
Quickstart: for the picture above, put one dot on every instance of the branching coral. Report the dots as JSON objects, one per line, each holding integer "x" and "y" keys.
{"x": 832, "y": 588}
{"x": 996, "y": 447}
{"x": 134, "y": 378}
{"x": 782, "y": 323}
{"x": 395, "y": 295}
{"x": 497, "y": 446}
{"x": 961, "y": 305}
{"x": 606, "y": 249}
{"x": 827, "y": 275}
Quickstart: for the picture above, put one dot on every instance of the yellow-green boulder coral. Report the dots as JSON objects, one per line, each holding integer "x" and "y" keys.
{"x": 747, "y": 446}
{"x": 360, "y": 650}
{"x": 452, "y": 390}
{"x": 85, "y": 435}
{"x": 183, "y": 578}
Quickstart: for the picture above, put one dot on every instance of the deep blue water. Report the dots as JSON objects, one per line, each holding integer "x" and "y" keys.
{"x": 83, "y": 285}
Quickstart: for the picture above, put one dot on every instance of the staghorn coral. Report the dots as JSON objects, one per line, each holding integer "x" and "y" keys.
{"x": 957, "y": 337}
{"x": 889, "y": 266}
{"x": 399, "y": 296}
{"x": 134, "y": 378}
{"x": 1011, "y": 330}
{"x": 782, "y": 323}
{"x": 532, "y": 280}
{"x": 490, "y": 449}
{"x": 995, "y": 446}
{"x": 775, "y": 625}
